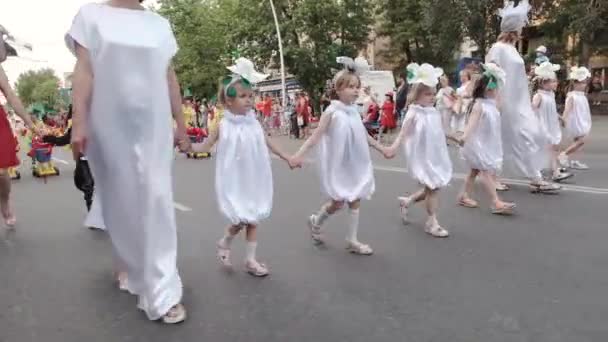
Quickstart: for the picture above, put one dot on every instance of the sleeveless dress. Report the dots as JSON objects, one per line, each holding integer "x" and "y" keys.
{"x": 426, "y": 152}
{"x": 243, "y": 174}
{"x": 483, "y": 148}
{"x": 130, "y": 147}
{"x": 549, "y": 120}
{"x": 8, "y": 143}
{"x": 343, "y": 157}
{"x": 579, "y": 120}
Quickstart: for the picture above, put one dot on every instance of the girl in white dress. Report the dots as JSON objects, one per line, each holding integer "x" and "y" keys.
{"x": 577, "y": 117}
{"x": 243, "y": 176}
{"x": 482, "y": 144}
{"x": 424, "y": 143}
{"x": 445, "y": 101}
{"x": 544, "y": 104}
{"x": 124, "y": 94}
{"x": 461, "y": 106}
{"x": 343, "y": 157}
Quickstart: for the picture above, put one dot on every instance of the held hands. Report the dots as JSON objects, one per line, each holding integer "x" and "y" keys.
{"x": 388, "y": 153}
{"x": 182, "y": 141}
{"x": 294, "y": 162}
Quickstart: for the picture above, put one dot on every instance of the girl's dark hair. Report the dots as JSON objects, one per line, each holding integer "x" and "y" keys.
{"x": 537, "y": 83}
{"x": 481, "y": 85}
{"x": 390, "y": 97}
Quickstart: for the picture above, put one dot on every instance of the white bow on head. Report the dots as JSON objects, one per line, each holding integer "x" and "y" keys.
{"x": 496, "y": 74}
{"x": 579, "y": 74}
{"x": 425, "y": 74}
{"x": 546, "y": 70}
{"x": 245, "y": 69}
{"x": 359, "y": 65}
{"x": 514, "y": 17}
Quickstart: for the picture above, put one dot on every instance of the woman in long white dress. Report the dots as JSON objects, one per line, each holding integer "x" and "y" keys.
{"x": 124, "y": 93}
{"x": 523, "y": 141}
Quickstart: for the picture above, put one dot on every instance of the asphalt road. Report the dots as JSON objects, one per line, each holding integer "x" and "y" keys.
{"x": 539, "y": 276}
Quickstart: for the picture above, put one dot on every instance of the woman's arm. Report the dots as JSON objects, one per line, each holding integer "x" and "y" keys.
{"x": 13, "y": 99}
{"x": 175, "y": 97}
{"x": 82, "y": 85}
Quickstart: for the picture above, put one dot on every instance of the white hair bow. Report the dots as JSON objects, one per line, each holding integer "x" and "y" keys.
{"x": 359, "y": 65}
{"x": 546, "y": 70}
{"x": 425, "y": 74}
{"x": 579, "y": 74}
{"x": 245, "y": 69}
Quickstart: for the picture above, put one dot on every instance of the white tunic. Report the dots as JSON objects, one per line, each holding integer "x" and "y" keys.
{"x": 483, "y": 147}
{"x": 579, "y": 119}
{"x": 243, "y": 176}
{"x": 343, "y": 156}
{"x": 130, "y": 144}
{"x": 549, "y": 119}
{"x": 426, "y": 152}
{"x": 523, "y": 142}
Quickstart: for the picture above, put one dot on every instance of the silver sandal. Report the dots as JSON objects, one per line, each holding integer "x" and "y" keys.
{"x": 176, "y": 314}
{"x": 436, "y": 230}
{"x": 223, "y": 255}
{"x": 316, "y": 233}
{"x": 257, "y": 269}
{"x": 359, "y": 248}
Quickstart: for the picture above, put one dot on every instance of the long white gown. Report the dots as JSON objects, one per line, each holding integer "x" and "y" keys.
{"x": 343, "y": 157}
{"x": 483, "y": 147}
{"x": 523, "y": 142}
{"x": 579, "y": 120}
{"x": 94, "y": 217}
{"x": 131, "y": 144}
{"x": 549, "y": 120}
{"x": 426, "y": 152}
{"x": 243, "y": 174}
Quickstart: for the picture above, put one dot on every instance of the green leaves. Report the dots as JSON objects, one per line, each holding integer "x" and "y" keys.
{"x": 40, "y": 87}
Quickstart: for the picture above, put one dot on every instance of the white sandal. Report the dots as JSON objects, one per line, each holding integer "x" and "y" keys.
{"x": 176, "y": 314}
{"x": 223, "y": 254}
{"x": 359, "y": 248}
{"x": 256, "y": 269}
{"x": 404, "y": 204}
{"x": 315, "y": 230}
{"x": 436, "y": 230}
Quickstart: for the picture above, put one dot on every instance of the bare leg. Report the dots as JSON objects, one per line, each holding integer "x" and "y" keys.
{"x": 315, "y": 221}
{"x": 224, "y": 244}
{"x": 490, "y": 188}
{"x": 575, "y": 146}
{"x": 432, "y": 205}
{"x": 5, "y": 205}
{"x": 467, "y": 188}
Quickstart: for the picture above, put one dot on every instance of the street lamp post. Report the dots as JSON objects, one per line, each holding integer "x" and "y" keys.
{"x": 276, "y": 23}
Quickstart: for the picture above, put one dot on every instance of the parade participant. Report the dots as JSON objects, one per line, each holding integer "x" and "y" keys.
{"x": 482, "y": 145}
{"x": 463, "y": 101}
{"x": 541, "y": 55}
{"x": 523, "y": 142}
{"x": 243, "y": 182}
{"x": 576, "y": 117}
{"x": 124, "y": 93}
{"x": 344, "y": 162}
{"x": 445, "y": 101}
{"x": 8, "y": 142}
{"x": 543, "y": 102}
{"x": 424, "y": 144}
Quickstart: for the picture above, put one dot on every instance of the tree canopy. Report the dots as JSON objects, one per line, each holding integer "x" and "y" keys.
{"x": 40, "y": 87}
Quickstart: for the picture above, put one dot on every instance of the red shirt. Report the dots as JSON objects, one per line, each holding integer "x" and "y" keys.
{"x": 267, "y": 107}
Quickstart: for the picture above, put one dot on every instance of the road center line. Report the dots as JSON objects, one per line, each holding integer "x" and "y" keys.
{"x": 61, "y": 161}
{"x": 181, "y": 207}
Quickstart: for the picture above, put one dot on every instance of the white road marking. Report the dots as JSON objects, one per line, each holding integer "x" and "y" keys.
{"x": 61, "y": 161}
{"x": 181, "y": 207}
{"x": 461, "y": 176}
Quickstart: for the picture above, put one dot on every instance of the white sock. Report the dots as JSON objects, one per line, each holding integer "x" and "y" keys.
{"x": 251, "y": 247}
{"x": 322, "y": 215}
{"x": 227, "y": 239}
{"x": 353, "y": 225}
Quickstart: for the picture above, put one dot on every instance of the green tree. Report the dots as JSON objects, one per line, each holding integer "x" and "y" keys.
{"x": 586, "y": 20}
{"x": 420, "y": 31}
{"x": 40, "y": 86}
{"x": 203, "y": 29}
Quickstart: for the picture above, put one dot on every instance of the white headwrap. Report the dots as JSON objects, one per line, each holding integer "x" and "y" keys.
{"x": 359, "y": 65}
{"x": 425, "y": 74}
{"x": 243, "y": 69}
{"x": 546, "y": 71}
{"x": 579, "y": 74}
{"x": 514, "y": 17}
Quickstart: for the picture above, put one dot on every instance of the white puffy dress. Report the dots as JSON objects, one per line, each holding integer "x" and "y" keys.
{"x": 579, "y": 120}
{"x": 549, "y": 119}
{"x": 343, "y": 157}
{"x": 426, "y": 152}
{"x": 522, "y": 139}
{"x": 483, "y": 147}
{"x": 130, "y": 146}
{"x": 459, "y": 120}
{"x": 243, "y": 176}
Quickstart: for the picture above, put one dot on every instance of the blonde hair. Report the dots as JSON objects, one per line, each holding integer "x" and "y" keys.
{"x": 414, "y": 93}
{"x": 343, "y": 79}
{"x": 510, "y": 37}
